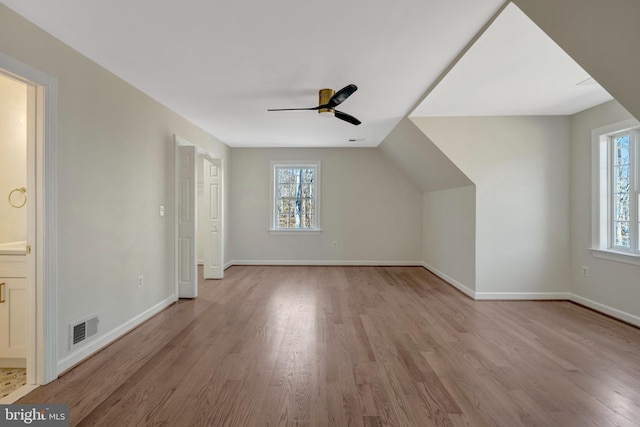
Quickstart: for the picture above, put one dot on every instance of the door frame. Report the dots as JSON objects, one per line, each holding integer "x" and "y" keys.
{"x": 42, "y": 214}
{"x": 200, "y": 151}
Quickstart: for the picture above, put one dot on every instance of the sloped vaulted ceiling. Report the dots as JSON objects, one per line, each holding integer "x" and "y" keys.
{"x": 222, "y": 64}
{"x": 513, "y": 69}
{"x": 601, "y": 36}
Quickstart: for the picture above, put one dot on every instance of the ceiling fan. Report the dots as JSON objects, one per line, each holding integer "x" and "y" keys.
{"x": 329, "y": 99}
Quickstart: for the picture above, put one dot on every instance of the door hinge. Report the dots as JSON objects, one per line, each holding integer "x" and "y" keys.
{"x": 28, "y": 249}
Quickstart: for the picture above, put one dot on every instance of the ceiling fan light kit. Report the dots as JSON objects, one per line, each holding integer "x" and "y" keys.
{"x": 328, "y": 99}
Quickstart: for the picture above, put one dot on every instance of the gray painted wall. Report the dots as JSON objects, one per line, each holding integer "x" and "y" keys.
{"x": 449, "y": 235}
{"x": 368, "y": 207}
{"x": 609, "y": 283}
{"x": 115, "y": 164}
{"x": 519, "y": 166}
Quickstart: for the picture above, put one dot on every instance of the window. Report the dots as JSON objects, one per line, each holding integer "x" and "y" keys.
{"x": 295, "y": 196}
{"x": 616, "y": 216}
{"x": 621, "y": 189}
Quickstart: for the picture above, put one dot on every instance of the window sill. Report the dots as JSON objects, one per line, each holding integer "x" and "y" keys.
{"x": 292, "y": 231}
{"x": 616, "y": 256}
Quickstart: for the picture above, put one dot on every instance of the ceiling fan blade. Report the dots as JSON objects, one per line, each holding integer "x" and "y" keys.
{"x": 347, "y": 118}
{"x": 293, "y": 109}
{"x": 341, "y": 95}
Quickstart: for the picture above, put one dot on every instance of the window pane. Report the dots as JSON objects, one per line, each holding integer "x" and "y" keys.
{"x": 294, "y": 197}
{"x": 283, "y": 190}
{"x": 286, "y": 190}
{"x": 281, "y": 175}
{"x": 622, "y": 150}
{"x": 307, "y": 213}
{"x": 622, "y": 234}
{"x": 296, "y": 213}
{"x": 622, "y": 185}
{"x": 284, "y": 213}
{"x": 283, "y": 221}
{"x": 617, "y": 194}
{"x": 308, "y": 175}
{"x": 297, "y": 176}
{"x": 288, "y": 213}
{"x": 293, "y": 176}
{"x": 621, "y": 173}
{"x": 622, "y": 207}
{"x": 307, "y": 190}
{"x": 286, "y": 175}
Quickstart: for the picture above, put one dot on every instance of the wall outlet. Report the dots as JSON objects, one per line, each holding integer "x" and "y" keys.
{"x": 334, "y": 244}
{"x": 161, "y": 210}
{"x": 585, "y": 270}
{"x": 140, "y": 281}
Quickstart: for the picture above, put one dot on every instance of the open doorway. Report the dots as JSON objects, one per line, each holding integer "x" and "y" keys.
{"x": 198, "y": 195}
{"x": 14, "y": 216}
{"x": 210, "y": 216}
{"x": 29, "y": 291}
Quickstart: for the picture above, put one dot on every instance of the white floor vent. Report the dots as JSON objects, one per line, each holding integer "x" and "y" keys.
{"x": 81, "y": 330}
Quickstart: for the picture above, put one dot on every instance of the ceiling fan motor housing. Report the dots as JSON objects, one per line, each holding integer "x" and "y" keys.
{"x": 328, "y": 101}
{"x": 324, "y": 97}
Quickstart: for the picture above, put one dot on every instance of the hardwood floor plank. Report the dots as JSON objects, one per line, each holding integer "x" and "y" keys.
{"x": 360, "y": 346}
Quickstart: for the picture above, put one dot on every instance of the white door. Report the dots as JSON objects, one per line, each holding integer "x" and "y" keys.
{"x": 186, "y": 221}
{"x": 213, "y": 268}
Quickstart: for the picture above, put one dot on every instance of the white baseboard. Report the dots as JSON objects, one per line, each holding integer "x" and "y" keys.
{"x": 557, "y": 296}
{"x": 609, "y": 311}
{"x": 227, "y": 265}
{"x": 496, "y": 295}
{"x": 106, "y": 339}
{"x": 563, "y": 296}
{"x": 450, "y": 280}
{"x": 326, "y": 263}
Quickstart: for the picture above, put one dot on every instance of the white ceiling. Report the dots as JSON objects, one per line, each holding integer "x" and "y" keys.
{"x": 221, "y": 64}
{"x": 514, "y": 68}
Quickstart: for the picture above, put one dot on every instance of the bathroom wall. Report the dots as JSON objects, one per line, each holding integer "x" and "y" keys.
{"x": 13, "y": 158}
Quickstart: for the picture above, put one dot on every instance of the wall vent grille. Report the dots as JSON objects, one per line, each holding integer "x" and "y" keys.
{"x": 81, "y": 330}
{"x": 79, "y": 333}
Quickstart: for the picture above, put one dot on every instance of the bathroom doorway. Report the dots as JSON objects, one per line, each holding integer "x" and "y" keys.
{"x": 15, "y": 108}
{"x": 29, "y": 267}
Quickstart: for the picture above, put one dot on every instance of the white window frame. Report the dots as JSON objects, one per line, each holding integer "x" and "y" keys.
{"x": 294, "y": 164}
{"x": 602, "y": 196}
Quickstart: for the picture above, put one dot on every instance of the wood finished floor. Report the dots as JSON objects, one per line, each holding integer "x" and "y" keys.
{"x": 362, "y": 346}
